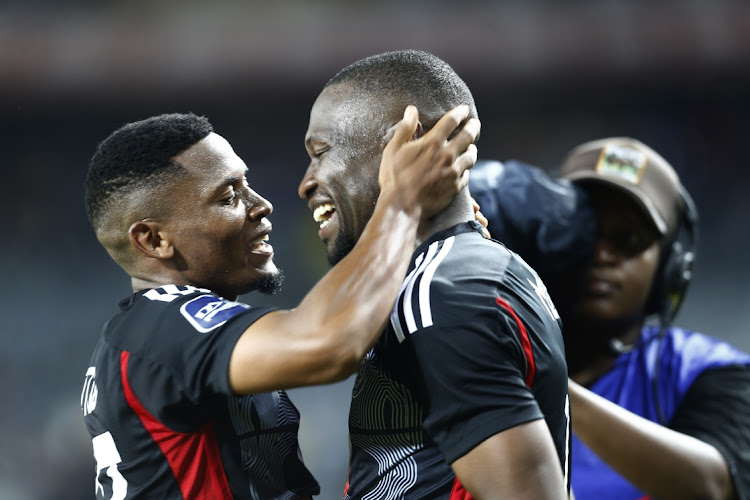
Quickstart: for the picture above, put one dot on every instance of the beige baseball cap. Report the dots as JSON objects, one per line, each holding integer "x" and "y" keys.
{"x": 636, "y": 169}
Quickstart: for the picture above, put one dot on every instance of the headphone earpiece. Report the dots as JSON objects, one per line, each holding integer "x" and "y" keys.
{"x": 676, "y": 267}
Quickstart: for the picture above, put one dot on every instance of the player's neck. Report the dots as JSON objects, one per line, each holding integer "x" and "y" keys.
{"x": 154, "y": 277}
{"x": 145, "y": 284}
{"x": 459, "y": 210}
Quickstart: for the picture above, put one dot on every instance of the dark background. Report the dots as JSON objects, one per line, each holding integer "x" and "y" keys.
{"x": 546, "y": 76}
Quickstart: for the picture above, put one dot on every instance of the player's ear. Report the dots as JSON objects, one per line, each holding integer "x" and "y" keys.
{"x": 389, "y": 133}
{"x": 148, "y": 239}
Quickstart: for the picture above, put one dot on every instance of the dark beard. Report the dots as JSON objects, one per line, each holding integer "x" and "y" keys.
{"x": 341, "y": 248}
{"x": 269, "y": 284}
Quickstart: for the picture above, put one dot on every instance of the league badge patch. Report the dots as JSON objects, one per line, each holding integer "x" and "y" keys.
{"x": 207, "y": 312}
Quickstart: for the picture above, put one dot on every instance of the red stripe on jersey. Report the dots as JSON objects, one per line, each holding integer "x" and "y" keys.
{"x": 193, "y": 456}
{"x": 525, "y": 342}
{"x": 459, "y": 492}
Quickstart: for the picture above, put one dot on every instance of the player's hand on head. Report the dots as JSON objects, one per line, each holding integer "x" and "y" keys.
{"x": 430, "y": 170}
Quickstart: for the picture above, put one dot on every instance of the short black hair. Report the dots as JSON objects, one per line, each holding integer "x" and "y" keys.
{"x": 137, "y": 154}
{"x": 412, "y": 76}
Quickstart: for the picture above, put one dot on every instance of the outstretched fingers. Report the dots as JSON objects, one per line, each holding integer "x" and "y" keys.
{"x": 466, "y": 136}
{"x": 428, "y": 172}
{"x": 404, "y": 130}
{"x": 449, "y": 122}
{"x": 456, "y": 133}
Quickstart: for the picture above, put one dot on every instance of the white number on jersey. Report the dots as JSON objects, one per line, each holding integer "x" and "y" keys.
{"x": 168, "y": 293}
{"x": 107, "y": 457}
{"x": 90, "y": 392}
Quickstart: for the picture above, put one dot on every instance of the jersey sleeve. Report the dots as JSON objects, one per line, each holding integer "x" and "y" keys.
{"x": 469, "y": 374}
{"x": 716, "y": 410}
{"x": 186, "y": 361}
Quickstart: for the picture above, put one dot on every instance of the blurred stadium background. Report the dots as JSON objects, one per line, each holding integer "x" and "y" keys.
{"x": 546, "y": 76}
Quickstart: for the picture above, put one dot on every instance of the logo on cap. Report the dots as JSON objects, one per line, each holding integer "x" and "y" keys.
{"x": 626, "y": 163}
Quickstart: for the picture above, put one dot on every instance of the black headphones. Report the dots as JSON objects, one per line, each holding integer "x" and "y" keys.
{"x": 676, "y": 265}
{"x": 674, "y": 273}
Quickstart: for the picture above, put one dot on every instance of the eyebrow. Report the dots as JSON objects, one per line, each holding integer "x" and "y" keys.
{"x": 229, "y": 181}
{"x": 313, "y": 140}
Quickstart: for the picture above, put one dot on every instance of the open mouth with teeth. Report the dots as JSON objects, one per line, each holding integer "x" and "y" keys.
{"x": 260, "y": 244}
{"x": 323, "y": 213}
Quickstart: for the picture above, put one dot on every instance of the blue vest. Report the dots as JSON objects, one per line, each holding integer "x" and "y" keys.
{"x": 682, "y": 355}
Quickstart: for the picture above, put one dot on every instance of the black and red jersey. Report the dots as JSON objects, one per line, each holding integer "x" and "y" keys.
{"x": 473, "y": 347}
{"x": 163, "y": 420}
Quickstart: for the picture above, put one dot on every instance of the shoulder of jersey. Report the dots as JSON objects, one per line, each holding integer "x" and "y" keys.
{"x": 476, "y": 250}
{"x": 203, "y": 309}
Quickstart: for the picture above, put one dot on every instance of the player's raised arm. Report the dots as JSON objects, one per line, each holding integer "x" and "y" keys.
{"x": 324, "y": 339}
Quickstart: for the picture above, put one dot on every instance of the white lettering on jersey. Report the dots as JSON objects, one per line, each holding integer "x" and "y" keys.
{"x": 107, "y": 457}
{"x": 90, "y": 392}
{"x": 168, "y": 293}
{"x": 541, "y": 291}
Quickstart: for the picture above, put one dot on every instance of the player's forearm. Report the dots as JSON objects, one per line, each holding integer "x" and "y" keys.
{"x": 324, "y": 339}
{"x": 350, "y": 306}
{"x": 661, "y": 462}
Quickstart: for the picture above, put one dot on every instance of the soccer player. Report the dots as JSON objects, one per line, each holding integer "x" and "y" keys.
{"x": 184, "y": 394}
{"x": 465, "y": 393}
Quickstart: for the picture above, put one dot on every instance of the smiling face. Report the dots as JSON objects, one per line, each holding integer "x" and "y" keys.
{"x": 218, "y": 225}
{"x": 626, "y": 258}
{"x": 344, "y": 142}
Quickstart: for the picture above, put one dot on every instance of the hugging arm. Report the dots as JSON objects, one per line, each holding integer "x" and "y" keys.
{"x": 324, "y": 338}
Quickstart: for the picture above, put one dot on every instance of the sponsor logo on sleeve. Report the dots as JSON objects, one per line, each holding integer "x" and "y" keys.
{"x": 207, "y": 312}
